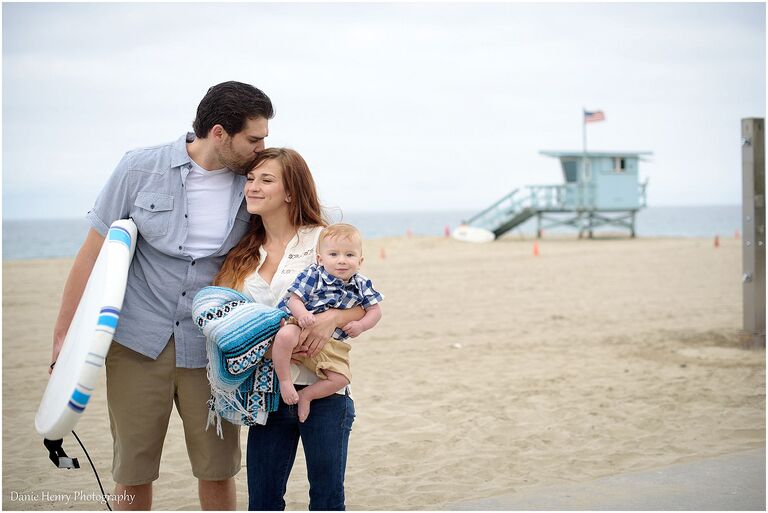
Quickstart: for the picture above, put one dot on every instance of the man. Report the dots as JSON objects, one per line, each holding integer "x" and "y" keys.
{"x": 186, "y": 199}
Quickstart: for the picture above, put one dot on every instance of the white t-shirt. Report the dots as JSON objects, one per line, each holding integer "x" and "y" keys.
{"x": 209, "y": 202}
{"x": 299, "y": 253}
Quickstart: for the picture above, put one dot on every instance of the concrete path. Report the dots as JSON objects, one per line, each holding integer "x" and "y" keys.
{"x": 734, "y": 482}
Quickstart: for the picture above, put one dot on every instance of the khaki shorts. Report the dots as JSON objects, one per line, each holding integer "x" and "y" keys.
{"x": 333, "y": 357}
{"x": 140, "y": 396}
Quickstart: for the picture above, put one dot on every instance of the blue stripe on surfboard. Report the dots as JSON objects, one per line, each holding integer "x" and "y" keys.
{"x": 78, "y": 409}
{"x": 108, "y": 320}
{"x": 118, "y": 234}
{"x": 80, "y": 398}
{"x": 110, "y": 310}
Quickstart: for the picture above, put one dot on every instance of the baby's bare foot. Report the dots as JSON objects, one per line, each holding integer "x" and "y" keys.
{"x": 303, "y": 407}
{"x": 288, "y": 393}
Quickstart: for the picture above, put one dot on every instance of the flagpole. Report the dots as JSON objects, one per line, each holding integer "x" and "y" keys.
{"x": 584, "y": 139}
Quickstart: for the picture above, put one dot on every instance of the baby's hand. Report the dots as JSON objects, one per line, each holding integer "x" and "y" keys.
{"x": 305, "y": 321}
{"x": 353, "y": 328}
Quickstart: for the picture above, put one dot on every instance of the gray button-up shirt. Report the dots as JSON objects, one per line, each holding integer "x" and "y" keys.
{"x": 148, "y": 186}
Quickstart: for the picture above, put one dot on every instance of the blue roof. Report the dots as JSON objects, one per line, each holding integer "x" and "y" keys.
{"x": 580, "y": 154}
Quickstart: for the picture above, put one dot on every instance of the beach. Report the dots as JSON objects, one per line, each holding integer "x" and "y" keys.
{"x": 493, "y": 371}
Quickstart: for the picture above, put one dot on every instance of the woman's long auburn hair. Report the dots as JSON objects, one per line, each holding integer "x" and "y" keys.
{"x": 303, "y": 210}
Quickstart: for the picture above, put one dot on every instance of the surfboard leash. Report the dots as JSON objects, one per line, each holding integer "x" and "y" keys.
{"x": 103, "y": 493}
{"x": 59, "y": 458}
{"x": 57, "y": 455}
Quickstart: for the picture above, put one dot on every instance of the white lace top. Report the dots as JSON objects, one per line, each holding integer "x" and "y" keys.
{"x": 300, "y": 253}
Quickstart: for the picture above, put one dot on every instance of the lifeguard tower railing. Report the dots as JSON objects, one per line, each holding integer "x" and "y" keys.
{"x": 539, "y": 200}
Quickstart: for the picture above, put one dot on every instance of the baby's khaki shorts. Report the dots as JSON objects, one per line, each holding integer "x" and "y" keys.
{"x": 333, "y": 357}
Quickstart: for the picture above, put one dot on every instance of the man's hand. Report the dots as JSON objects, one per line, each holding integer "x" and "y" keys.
{"x": 58, "y": 341}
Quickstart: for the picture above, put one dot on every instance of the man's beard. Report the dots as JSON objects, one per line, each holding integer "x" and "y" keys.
{"x": 239, "y": 166}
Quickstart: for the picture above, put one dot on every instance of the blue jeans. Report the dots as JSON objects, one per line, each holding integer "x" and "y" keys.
{"x": 325, "y": 438}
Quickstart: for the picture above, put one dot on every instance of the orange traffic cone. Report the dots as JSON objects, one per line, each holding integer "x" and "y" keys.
{"x": 382, "y": 253}
{"x": 717, "y": 241}
{"x": 535, "y": 248}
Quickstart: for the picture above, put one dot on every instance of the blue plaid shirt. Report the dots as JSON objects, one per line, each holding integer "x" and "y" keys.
{"x": 148, "y": 185}
{"x": 320, "y": 291}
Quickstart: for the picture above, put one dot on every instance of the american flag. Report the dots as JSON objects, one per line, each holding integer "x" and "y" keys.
{"x": 591, "y": 117}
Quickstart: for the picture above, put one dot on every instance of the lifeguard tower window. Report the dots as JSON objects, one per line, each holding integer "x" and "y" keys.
{"x": 571, "y": 170}
{"x": 619, "y": 165}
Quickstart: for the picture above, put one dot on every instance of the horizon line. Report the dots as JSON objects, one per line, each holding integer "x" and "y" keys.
{"x": 427, "y": 211}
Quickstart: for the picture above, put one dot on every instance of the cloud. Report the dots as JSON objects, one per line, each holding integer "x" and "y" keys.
{"x": 393, "y": 105}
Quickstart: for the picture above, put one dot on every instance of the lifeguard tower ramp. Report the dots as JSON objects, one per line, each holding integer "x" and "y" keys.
{"x": 601, "y": 188}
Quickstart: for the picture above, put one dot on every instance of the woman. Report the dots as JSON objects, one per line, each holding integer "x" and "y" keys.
{"x": 282, "y": 240}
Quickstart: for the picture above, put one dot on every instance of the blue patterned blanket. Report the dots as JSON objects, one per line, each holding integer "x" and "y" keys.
{"x": 238, "y": 332}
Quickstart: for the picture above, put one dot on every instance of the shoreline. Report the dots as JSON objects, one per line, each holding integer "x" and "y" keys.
{"x": 519, "y": 237}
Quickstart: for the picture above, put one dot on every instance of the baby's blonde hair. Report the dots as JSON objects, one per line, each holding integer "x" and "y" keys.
{"x": 341, "y": 231}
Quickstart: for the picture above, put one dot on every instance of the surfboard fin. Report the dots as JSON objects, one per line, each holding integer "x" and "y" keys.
{"x": 58, "y": 456}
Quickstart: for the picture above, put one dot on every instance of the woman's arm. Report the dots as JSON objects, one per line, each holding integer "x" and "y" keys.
{"x": 313, "y": 339}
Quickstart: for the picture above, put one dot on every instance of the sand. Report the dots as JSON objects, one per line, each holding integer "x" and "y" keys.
{"x": 492, "y": 372}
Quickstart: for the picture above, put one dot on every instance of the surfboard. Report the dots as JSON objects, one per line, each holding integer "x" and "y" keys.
{"x": 85, "y": 347}
{"x": 466, "y": 233}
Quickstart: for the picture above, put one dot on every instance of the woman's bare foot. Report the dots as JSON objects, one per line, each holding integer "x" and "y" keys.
{"x": 288, "y": 392}
{"x": 303, "y": 406}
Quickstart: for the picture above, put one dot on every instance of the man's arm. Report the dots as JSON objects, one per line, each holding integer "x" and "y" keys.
{"x": 369, "y": 320}
{"x": 73, "y": 290}
{"x": 313, "y": 339}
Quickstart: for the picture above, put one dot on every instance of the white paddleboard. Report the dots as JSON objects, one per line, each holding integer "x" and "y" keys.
{"x": 85, "y": 347}
{"x": 466, "y": 233}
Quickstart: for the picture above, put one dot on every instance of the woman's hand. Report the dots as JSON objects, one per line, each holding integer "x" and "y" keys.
{"x": 298, "y": 352}
{"x": 307, "y": 321}
{"x": 313, "y": 339}
{"x": 296, "y": 355}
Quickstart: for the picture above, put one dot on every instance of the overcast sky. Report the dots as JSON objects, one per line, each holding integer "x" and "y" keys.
{"x": 395, "y": 106}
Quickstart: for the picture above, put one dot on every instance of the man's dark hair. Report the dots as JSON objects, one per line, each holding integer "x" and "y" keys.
{"x": 230, "y": 104}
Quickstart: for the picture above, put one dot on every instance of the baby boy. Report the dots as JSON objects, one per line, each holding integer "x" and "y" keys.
{"x": 333, "y": 282}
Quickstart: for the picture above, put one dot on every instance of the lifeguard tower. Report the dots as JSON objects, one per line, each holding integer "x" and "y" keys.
{"x": 601, "y": 188}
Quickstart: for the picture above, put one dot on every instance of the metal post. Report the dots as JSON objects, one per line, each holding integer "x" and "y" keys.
{"x": 538, "y": 225}
{"x": 753, "y": 224}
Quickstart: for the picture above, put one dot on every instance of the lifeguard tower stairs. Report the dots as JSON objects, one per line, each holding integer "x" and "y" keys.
{"x": 601, "y": 188}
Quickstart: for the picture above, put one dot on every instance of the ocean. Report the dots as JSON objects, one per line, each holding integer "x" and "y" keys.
{"x": 25, "y": 239}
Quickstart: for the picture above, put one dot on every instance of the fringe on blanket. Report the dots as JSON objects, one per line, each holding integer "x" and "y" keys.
{"x": 244, "y": 386}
